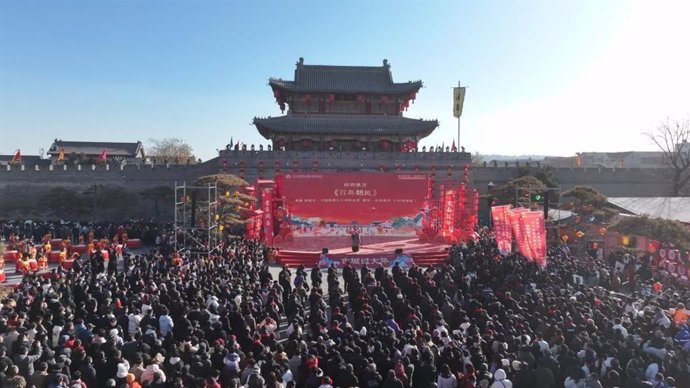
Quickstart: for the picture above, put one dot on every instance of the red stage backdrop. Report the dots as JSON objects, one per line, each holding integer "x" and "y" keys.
{"x": 378, "y": 203}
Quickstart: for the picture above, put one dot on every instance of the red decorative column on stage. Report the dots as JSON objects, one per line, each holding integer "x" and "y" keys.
{"x": 448, "y": 223}
{"x": 267, "y": 207}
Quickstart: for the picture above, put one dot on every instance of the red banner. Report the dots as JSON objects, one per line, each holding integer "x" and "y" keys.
{"x": 448, "y": 223}
{"x": 518, "y": 233}
{"x": 371, "y": 260}
{"x": 387, "y": 203}
{"x": 502, "y": 231}
{"x": 532, "y": 225}
{"x": 267, "y": 207}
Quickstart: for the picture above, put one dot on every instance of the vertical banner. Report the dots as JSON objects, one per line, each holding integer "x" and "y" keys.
{"x": 461, "y": 211}
{"x": 449, "y": 212}
{"x": 518, "y": 233}
{"x": 539, "y": 246}
{"x": 532, "y": 225}
{"x": 267, "y": 207}
{"x": 502, "y": 231}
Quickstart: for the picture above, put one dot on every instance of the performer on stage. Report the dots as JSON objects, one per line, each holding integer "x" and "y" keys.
{"x": 355, "y": 239}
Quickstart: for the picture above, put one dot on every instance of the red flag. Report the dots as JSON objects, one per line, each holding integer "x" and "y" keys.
{"x": 104, "y": 156}
{"x": 518, "y": 232}
{"x": 502, "y": 228}
{"x": 534, "y": 234}
{"x": 17, "y": 158}
{"x": 453, "y": 148}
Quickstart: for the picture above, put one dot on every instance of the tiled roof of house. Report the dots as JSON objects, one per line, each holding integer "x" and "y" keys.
{"x": 668, "y": 208}
{"x": 95, "y": 148}
{"x": 345, "y": 125}
{"x": 344, "y": 79}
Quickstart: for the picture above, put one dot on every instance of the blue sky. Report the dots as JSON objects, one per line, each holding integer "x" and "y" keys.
{"x": 544, "y": 77}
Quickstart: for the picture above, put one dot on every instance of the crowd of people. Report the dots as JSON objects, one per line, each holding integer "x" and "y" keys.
{"x": 181, "y": 319}
{"x": 151, "y": 233}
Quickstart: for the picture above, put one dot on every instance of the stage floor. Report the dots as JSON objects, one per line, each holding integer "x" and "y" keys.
{"x": 368, "y": 245}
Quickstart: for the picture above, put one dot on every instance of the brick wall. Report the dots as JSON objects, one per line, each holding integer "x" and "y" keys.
{"x": 21, "y": 189}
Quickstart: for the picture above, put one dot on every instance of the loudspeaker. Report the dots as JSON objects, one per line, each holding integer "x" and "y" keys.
{"x": 324, "y": 251}
{"x": 398, "y": 251}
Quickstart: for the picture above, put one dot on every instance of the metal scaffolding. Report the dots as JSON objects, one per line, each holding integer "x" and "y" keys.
{"x": 196, "y": 218}
{"x": 524, "y": 197}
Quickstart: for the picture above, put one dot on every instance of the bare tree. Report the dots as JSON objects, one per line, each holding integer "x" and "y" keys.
{"x": 171, "y": 149}
{"x": 671, "y": 137}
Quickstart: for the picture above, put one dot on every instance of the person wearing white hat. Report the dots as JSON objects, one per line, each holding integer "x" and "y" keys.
{"x": 501, "y": 380}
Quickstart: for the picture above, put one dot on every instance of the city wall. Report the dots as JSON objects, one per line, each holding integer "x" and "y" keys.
{"x": 23, "y": 188}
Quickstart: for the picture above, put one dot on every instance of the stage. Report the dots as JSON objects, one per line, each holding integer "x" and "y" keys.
{"x": 374, "y": 250}
{"x": 396, "y": 217}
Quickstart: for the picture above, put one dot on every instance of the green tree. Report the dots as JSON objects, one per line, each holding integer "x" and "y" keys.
{"x": 233, "y": 199}
{"x": 506, "y": 194}
{"x": 588, "y": 202}
{"x": 544, "y": 174}
{"x": 655, "y": 228}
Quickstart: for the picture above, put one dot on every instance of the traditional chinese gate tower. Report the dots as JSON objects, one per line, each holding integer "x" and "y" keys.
{"x": 344, "y": 108}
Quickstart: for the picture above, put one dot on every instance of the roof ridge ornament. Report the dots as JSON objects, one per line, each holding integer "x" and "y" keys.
{"x": 386, "y": 64}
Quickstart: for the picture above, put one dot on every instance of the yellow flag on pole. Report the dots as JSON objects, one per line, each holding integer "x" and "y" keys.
{"x": 458, "y": 100}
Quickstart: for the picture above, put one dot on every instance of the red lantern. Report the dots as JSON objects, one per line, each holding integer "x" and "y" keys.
{"x": 383, "y": 99}
{"x": 306, "y": 98}
{"x": 331, "y": 97}
{"x": 360, "y": 98}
